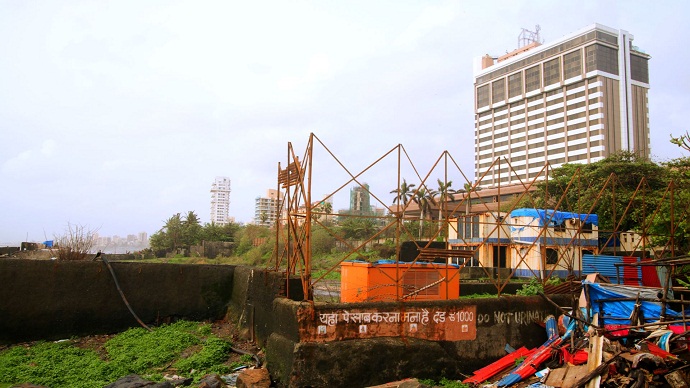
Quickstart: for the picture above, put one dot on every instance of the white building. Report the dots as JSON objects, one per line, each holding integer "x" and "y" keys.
{"x": 266, "y": 209}
{"x": 220, "y": 201}
{"x": 578, "y": 99}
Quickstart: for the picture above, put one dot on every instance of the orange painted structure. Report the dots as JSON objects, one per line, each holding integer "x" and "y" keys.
{"x": 387, "y": 280}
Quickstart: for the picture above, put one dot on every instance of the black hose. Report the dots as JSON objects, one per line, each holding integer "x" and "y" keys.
{"x": 254, "y": 356}
{"x": 117, "y": 284}
{"x": 124, "y": 299}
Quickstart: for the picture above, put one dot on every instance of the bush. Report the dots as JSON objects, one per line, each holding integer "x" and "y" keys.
{"x": 76, "y": 243}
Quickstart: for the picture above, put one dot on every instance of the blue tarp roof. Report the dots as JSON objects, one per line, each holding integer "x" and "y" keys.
{"x": 555, "y": 216}
{"x": 619, "y": 311}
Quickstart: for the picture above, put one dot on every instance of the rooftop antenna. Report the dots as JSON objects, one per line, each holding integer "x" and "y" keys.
{"x": 528, "y": 37}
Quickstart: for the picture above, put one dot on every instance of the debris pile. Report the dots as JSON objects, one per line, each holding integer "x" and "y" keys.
{"x": 616, "y": 336}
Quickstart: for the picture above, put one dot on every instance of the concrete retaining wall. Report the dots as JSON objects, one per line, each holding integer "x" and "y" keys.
{"x": 306, "y": 344}
{"x": 48, "y": 299}
{"x": 297, "y": 357}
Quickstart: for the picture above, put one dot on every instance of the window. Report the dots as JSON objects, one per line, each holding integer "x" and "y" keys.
{"x": 573, "y": 64}
{"x": 552, "y": 71}
{"x": 600, "y": 57}
{"x": 639, "y": 70}
{"x": 551, "y": 256}
{"x": 498, "y": 91}
{"x": 515, "y": 85}
{"x": 532, "y": 78}
{"x": 482, "y": 96}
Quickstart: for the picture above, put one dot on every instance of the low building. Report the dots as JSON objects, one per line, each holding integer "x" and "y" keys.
{"x": 527, "y": 242}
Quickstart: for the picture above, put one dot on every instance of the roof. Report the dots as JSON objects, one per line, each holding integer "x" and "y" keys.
{"x": 554, "y": 216}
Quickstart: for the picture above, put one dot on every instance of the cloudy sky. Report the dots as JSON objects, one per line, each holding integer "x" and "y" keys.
{"x": 115, "y": 115}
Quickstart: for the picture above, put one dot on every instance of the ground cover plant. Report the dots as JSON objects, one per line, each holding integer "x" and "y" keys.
{"x": 188, "y": 349}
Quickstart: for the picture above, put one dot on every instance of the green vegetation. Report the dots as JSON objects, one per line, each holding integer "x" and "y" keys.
{"x": 628, "y": 193}
{"x": 444, "y": 382}
{"x": 533, "y": 287}
{"x": 478, "y": 296}
{"x": 185, "y": 348}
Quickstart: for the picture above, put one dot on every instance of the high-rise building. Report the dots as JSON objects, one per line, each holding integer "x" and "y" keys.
{"x": 576, "y": 100}
{"x": 266, "y": 208}
{"x": 220, "y": 201}
{"x": 360, "y": 200}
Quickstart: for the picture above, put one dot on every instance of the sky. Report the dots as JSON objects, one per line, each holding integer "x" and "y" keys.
{"x": 115, "y": 115}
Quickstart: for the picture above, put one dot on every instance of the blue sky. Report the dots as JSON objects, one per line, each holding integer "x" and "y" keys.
{"x": 117, "y": 114}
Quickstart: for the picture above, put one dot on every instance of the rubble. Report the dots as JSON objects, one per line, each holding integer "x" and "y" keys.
{"x": 614, "y": 336}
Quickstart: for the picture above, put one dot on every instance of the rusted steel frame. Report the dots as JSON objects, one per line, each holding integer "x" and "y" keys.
{"x": 307, "y": 285}
{"x": 673, "y": 226}
{"x": 503, "y": 285}
{"x": 499, "y": 285}
{"x": 645, "y": 228}
{"x": 353, "y": 250}
{"x": 542, "y": 231}
{"x": 627, "y": 208}
{"x": 578, "y": 233}
{"x": 354, "y": 177}
{"x": 399, "y": 223}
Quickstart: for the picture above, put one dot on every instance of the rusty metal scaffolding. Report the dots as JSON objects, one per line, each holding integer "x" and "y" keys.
{"x": 299, "y": 211}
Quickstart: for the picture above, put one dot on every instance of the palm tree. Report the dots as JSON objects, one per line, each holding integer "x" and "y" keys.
{"x": 467, "y": 188}
{"x": 445, "y": 193}
{"x": 403, "y": 194}
{"x": 424, "y": 199}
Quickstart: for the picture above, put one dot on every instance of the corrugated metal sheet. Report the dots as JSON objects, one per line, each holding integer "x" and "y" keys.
{"x": 605, "y": 265}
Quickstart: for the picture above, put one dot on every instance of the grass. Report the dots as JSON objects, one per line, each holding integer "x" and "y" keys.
{"x": 185, "y": 348}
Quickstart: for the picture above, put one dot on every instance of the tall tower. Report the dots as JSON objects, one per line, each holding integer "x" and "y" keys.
{"x": 576, "y": 100}
{"x": 360, "y": 200}
{"x": 220, "y": 201}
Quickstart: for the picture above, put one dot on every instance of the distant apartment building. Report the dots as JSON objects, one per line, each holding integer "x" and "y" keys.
{"x": 220, "y": 201}
{"x": 575, "y": 100}
{"x": 266, "y": 209}
{"x": 360, "y": 200}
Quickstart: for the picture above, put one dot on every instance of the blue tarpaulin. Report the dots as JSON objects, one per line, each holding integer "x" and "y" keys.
{"x": 48, "y": 244}
{"x": 556, "y": 217}
{"x": 619, "y": 312}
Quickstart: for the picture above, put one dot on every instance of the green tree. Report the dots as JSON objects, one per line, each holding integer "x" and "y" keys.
{"x": 682, "y": 141}
{"x": 611, "y": 187}
{"x": 355, "y": 228}
{"x": 445, "y": 193}
{"x": 424, "y": 199}
{"x": 215, "y": 232}
{"x": 322, "y": 242}
{"x": 192, "y": 232}
{"x": 677, "y": 208}
{"x": 468, "y": 189}
{"x": 403, "y": 195}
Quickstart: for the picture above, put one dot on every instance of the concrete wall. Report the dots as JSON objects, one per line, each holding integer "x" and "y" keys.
{"x": 297, "y": 357}
{"x": 306, "y": 344}
{"x": 48, "y": 299}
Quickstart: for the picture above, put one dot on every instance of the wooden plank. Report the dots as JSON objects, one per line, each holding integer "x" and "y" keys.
{"x": 573, "y": 375}
{"x": 556, "y": 376}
